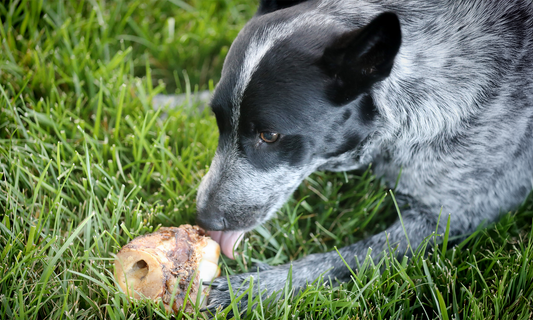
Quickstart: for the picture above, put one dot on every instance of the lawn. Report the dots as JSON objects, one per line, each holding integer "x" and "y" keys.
{"x": 87, "y": 164}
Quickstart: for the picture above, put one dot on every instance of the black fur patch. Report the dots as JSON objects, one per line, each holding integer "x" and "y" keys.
{"x": 350, "y": 143}
{"x": 359, "y": 58}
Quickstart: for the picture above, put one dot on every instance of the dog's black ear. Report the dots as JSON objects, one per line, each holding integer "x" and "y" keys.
{"x": 267, "y": 6}
{"x": 358, "y": 59}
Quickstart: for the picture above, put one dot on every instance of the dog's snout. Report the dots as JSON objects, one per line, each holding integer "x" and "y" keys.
{"x": 209, "y": 216}
{"x": 213, "y": 221}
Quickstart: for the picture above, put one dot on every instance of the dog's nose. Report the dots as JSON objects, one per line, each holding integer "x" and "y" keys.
{"x": 212, "y": 222}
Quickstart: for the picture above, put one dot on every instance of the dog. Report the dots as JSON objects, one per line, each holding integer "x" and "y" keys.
{"x": 440, "y": 91}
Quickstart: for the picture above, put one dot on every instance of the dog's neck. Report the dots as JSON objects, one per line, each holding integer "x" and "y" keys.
{"x": 443, "y": 76}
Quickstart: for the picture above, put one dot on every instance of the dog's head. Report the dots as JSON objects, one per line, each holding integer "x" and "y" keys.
{"x": 294, "y": 96}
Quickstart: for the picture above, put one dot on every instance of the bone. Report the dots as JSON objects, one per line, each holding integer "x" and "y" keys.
{"x": 151, "y": 266}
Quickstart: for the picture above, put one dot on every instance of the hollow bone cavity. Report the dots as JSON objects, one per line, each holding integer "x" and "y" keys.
{"x": 151, "y": 266}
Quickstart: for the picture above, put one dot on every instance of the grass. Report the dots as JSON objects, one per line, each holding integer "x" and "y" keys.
{"x": 86, "y": 165}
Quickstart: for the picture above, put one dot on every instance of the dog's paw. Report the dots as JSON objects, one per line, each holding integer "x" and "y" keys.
{"x": 220, "y": 295}
{"x": 266, "y": 281}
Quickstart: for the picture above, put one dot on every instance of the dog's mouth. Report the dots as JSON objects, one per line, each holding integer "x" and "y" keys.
{"x": 228, "y": 241}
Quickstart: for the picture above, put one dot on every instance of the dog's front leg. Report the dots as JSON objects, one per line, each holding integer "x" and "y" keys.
{"x": 418, "y": 223}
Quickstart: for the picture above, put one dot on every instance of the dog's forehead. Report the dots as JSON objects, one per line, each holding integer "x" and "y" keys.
{"x": 261, "y": 35}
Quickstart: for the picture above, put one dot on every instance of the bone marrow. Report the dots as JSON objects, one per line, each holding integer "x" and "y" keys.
{"x": 157, "y": 265}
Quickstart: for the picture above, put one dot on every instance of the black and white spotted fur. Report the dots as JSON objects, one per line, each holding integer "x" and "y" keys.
{"x": 441, "y": 90}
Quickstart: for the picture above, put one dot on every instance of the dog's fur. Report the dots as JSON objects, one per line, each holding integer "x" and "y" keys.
{"x": 439, "y": 90}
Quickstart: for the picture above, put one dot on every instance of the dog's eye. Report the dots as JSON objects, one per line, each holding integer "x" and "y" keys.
{"x": 269, "y": 137}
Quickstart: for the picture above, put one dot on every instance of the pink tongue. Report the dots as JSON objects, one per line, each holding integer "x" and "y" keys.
{"x": 227, "y": 240}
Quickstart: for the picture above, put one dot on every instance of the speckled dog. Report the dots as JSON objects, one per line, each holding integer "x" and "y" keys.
{"x": 439, "y": 89}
